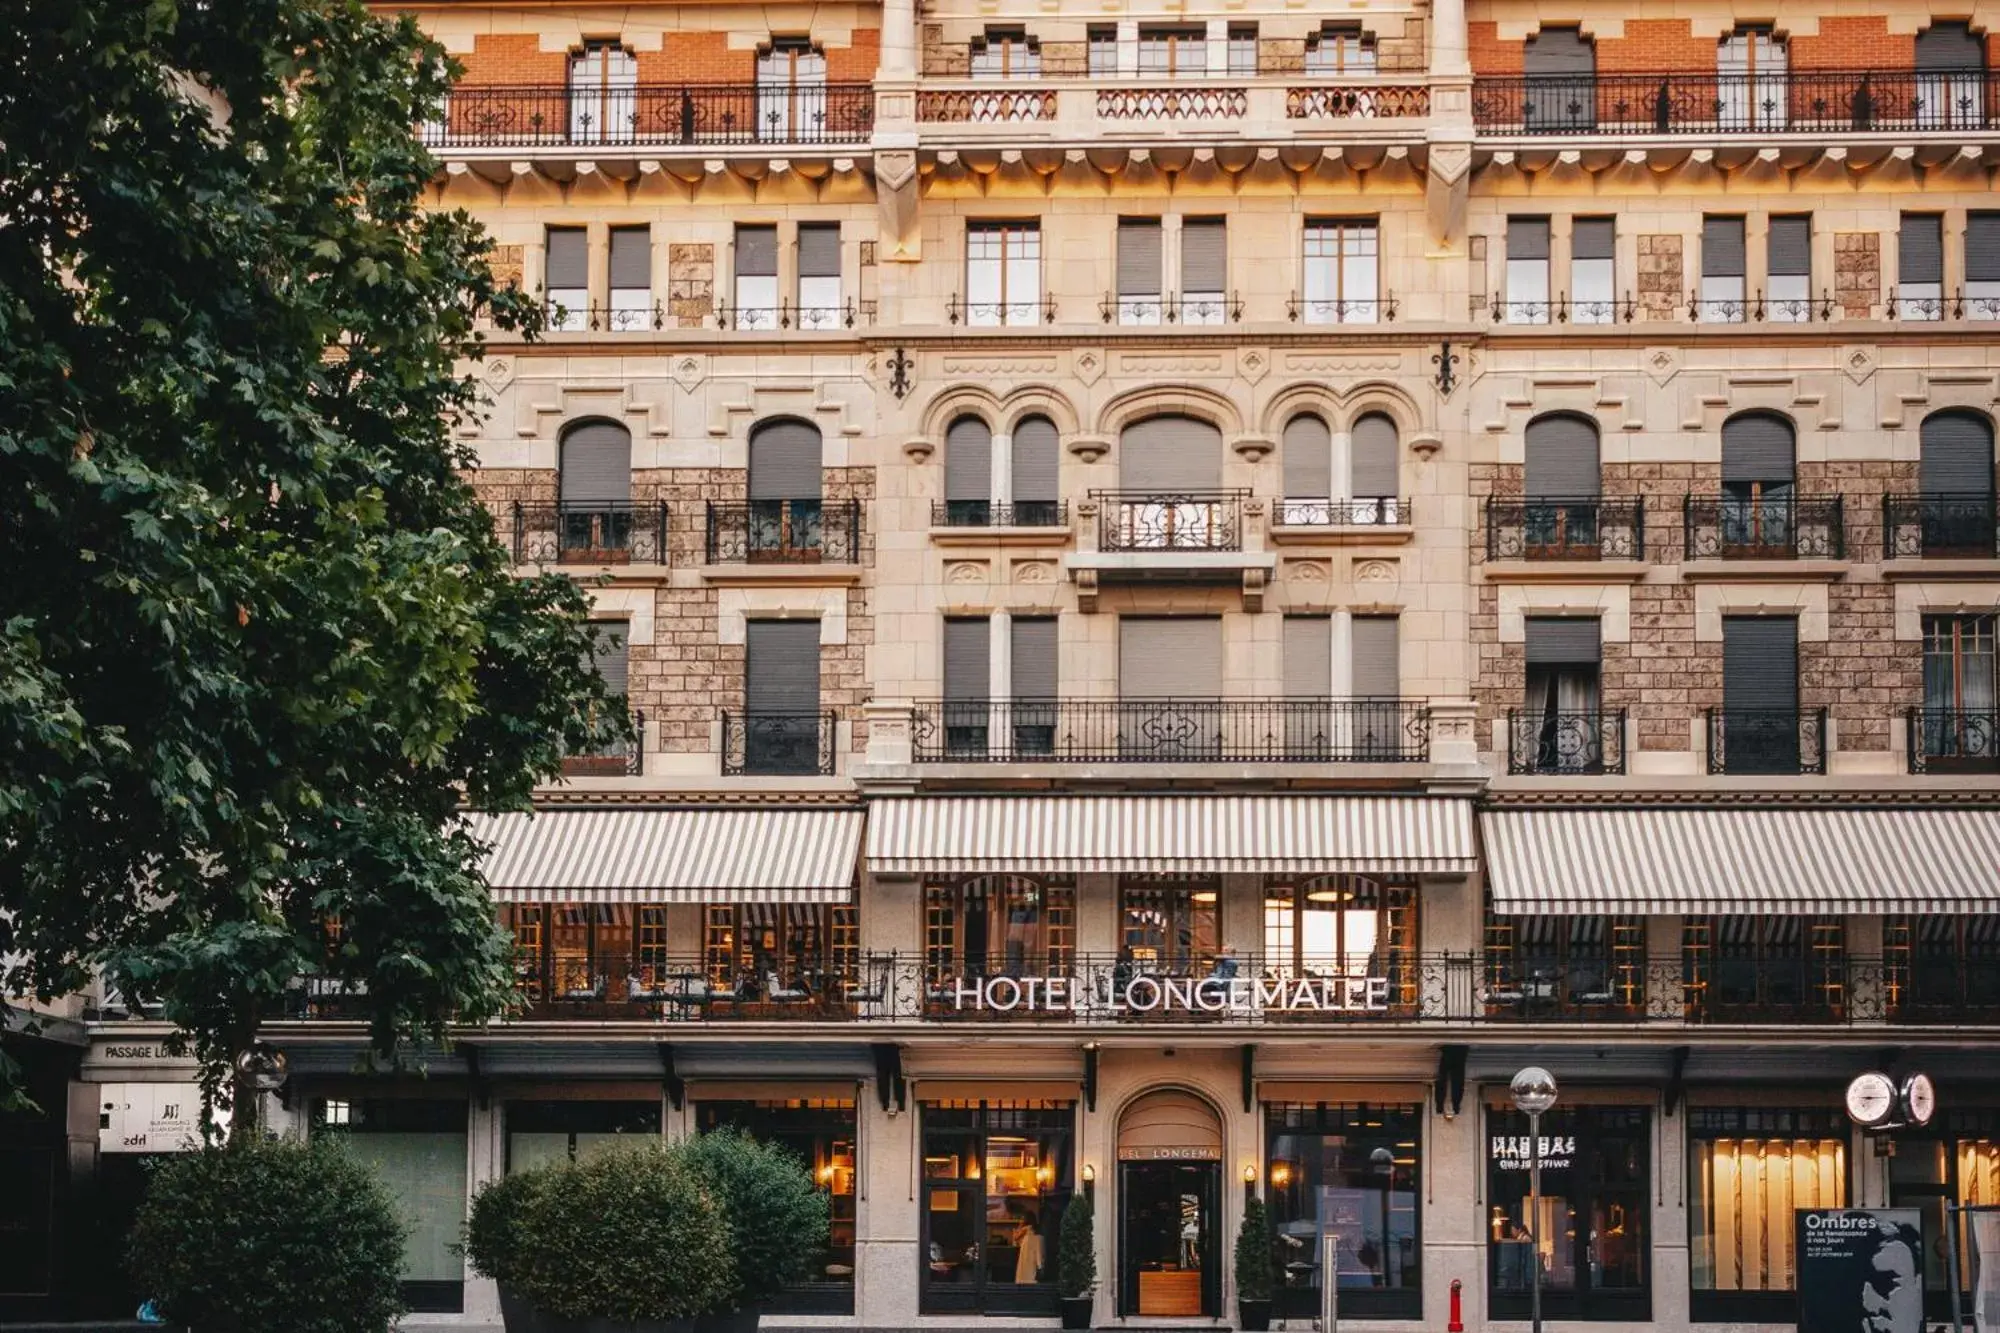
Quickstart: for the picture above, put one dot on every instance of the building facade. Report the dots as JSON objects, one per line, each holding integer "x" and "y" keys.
{"x": 1201, "y": 586}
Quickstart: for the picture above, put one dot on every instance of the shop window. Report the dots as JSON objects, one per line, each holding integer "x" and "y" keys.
{"x": 1586, "y": 966}
{"x": 1764, "y": 969}
{"x": 1591, "y": 1228}
{"x": 1344, "y": 926}
{"x": 998, "y": 925}
{"x": 821, "y": 1133}
{"x": 1747, "y": 1171}
{"x": 1169, "y": 923}
{"x": 1941, "y": 969}
{"x": 1955, "y": 1157}
{"x": 1353, "y": 1171}
{"x": 543, "y": 1132}
{"x": 996, "y": 1177}
{"x": 417, "y": 1147}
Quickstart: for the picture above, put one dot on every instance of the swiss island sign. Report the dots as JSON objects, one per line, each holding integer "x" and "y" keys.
{"x": 1143, "y": 994}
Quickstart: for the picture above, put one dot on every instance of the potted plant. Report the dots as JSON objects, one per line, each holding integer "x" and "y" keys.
{"x": 1254, "y": 1271}
{"x": 1076, "y": 1262}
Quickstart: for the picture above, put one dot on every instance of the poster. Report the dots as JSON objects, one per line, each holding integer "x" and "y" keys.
{"x": 1985, "y": 1275}
{"x": 1861, "y": 1270}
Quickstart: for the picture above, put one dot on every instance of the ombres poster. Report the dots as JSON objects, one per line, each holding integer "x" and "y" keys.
{"x": 1861, "y": 1270}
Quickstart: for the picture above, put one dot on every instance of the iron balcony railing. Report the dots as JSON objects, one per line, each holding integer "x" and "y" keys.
{"x": 612, "y": 759}
{"x": 1923, "y": 986}
{"x": 776, "y": 743}
{"x": 1763, "y": 527}
{"x": 1564, "y": 310}
{"x": 789, "y": 316}
{"x": 1361, "y": 511}
{"x": 1766, "y": 740}
{"x": 987, "y": 514}
{"x": 1707, "y": 103}
{"x": 1953, "y": 740}
{"x": 1140, "y": 311}
{"x": 1031, "y": 312}
{"x": 641, "y": 314}
{"x": 1171, "y": 731}
{"x": 1940, "y": 526}
{"x": 784, "y": 532}
{"x": 1589, "y": 743}
{"x": 586, "y": 532}
{"x": 1136, "y": 520}
{"x": 556, "y": 116}
{"x": 1554, "y": 528}
{"x": 1302, "y": 309}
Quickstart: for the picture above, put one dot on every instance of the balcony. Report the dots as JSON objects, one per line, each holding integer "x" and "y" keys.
{"x": 1767, "y": 741}
{"x": 1523, "y": 988}
{"x": 1303, "y": 309}
{"x": 1940, "y": 527}
{"x": 1156, "y": 311}
{"x": 780, "y": 744}
{"x": 696, "y": 116}
{"x": 1171, "y": 731}
{"x": 612, "y": 759}
{"x": 1828, "y": 104}
{"x": 1953, "y": 740}
{"x": 1361, "y": 511}
{"x": 988, "y": 514}
{"x": 1564, "y": 529}
{"x": 784, "y": 532}
{"x": 1783, "y": 527}
{"x": 1562, "y": 309}
{"x": 581, "y": 532}
{"x": 785, "y": 317}
{"x": 1566, "y": 744}
{"x": 1170, "y": 521}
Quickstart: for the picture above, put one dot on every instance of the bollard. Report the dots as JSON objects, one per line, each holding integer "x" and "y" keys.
{"x": 1457, "y": 1324}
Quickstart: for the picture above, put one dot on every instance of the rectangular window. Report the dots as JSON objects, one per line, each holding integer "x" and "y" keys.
{"x": 1139, "y": 271}
{"x": 1788, "y": 269}
{"x": 1102, "y": 44}
{"x": 1377, "y": 657}
{"x": 1032, "y": 658}
{"x": 819, "y": 276}
{"x": 1173, "y": 52}
{"x": 1593, "y": 285}
{"x": 756, "y": 278}
{"x": 1722, "y": 271}
{"x": 1956, "y": 1156}
{"x": 1204, "y": 271}
{"x": 1168, "y": 922}
{"x": 1764, "y": 969}
{"x": 1920, "y": 267}
{"x": 967, "y": 684}
{"x": 1344, "y": 926}
{"x": 781, "y": 697}
{"x": 1941, "y": 969}
{"x": 1355, "y": 1172}
{"x": 566, "y": 279}
{"x": 1539, "y": 967}
{"x": 996, "y": 1177}
{"x": 1527, "y": 298}
{"x": 1960, "y": 724}
{"x": 1760, "y": 731}
{"x": 1751, "y": 87}
{"x": 1006, "y": 53}
{"x": 1342, "y": 285}
{"x": 631, "y": 278}
{"x": 1242, "y": 50}
{"x": 1003, "y": 274}
{"x": 989, "y": 925}
{"x": 1592, "y": 1226}
{"x": 1982, "y": 265}
{"x": 1308, "y": 657}
{"x": 791, "y": 954}
{"x": 1559, "y": 728}
{"x": 1340, "y": 50}
{"x": 1747, "y": 1170}
{"x": 819, "y": 1132}
{"x": 543, "y": 1132}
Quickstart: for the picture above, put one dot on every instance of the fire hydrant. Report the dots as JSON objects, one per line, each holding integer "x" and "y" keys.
{"x": 1457, "y": 1324}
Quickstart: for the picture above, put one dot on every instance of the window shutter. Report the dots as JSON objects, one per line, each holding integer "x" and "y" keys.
{"x": 1760, "y": 663}
{"x": 1721, "y": 247}
{"x": 1591, "y": 238}
{"x": 1308, "y": 657}
{"x": 568, "y": 267}
{"x": 1920, "y": 248}
{"x": 596, "y": 464}
{"x": 1308, "y": 460}
{"x": 967, "y": 663}
{"x": 1204, "y": 255}
{"x": 781, "y": 666}
{"x": 1035, "y": 462}
{"x": 613, "y": 654}
{"x": 1957, "y": 455}
{"x": 1167, "y": 454}
{"x": 1372, "y": 460}
{"x": 756, "y": 252}
{"x": 1176, "y": 657}
{"x": 785, "y": 461}
{"x": 1562, "y": 459}
{"x": 1556, "y": 52}
{"x": 1562, "y": 641}
{"x": 1790, "y": 247}
{"x": 1757, "y": 447}
{"x": 1033, "y": 654}
{"x": 1138, "y": 256}
{"x": 1378, "y": 659}
{"x": 1982, "y": 247}
{"x": 819, "y": 250}
{"x": 1527, "y": 238}
{"x": 632, "y": 258}
{"x": 1949, "y": 46}
{"x": 968, "y": 460}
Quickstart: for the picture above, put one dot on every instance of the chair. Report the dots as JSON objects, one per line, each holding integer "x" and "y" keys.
{"x": 777, "y": 992}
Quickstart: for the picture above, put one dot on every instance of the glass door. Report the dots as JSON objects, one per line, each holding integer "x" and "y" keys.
{"x": 603, "y": 94}
{"x": 791, "y": 93}
{"x": 1168, "y": 1239}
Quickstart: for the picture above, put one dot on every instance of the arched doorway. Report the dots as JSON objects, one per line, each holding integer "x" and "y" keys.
{"x": 1170, "y": 1206}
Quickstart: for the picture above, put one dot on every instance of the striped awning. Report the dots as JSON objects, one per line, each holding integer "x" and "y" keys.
{"x": 973, "y": 834}
{"x": 755, "y": 855}
{"x": 1868, "y": 860}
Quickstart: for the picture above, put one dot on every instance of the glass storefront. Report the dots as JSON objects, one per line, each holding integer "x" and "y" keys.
{"x": 540, "y": 1132}
{"x": 1956, "y": 1156}
{"x": 418, "y": 1147}
{"x": 821, "y": 1133}
{"x": 1353, "y": 1171}
{"x": 1169, "y": 923}
{"x": 1748, "y": 1169}
{"x": 996, "y": 1177}
{"x": 1591, "y": 1229}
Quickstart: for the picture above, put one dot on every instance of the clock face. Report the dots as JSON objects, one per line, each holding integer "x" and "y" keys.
{"x": 1919, "y": 1098}
{"x": 1871, "y": 1099}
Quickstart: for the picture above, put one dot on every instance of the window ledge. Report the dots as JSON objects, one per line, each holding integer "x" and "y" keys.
{"x": 1341, "y": 534}
{"x": 1564, "y": 571}
{"x": 1916, "y": 567}
{"x": 766, "y": 576}
{"x": 1764, "y": 571}
{"x": 969, "y": 535}
{"x": 641, "y": 573}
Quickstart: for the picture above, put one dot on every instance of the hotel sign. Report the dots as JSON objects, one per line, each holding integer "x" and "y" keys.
{"x": 1151, "y": 995}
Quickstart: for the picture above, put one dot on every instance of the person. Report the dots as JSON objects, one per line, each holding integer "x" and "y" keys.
{"x": 1027, "y": 1243}
{"x": 1892, "y": 1295}
{"x": 1225, "y": 966}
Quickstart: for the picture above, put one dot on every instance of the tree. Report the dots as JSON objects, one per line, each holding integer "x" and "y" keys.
{"x": 258, "y": 638}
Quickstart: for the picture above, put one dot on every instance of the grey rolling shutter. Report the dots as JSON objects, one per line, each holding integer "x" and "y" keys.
{"x": 781, "y": 666}
{"x": 967, "y": 663}
{"x": 1308, "y": 657}
{"x": 632, "y": 258}
{"x": 1138, "y": 256}
{"x": 1527, "y": 238}
{"x": 1949, "y": 45}
{"x": 1982, "y": 247}
{"x": 1167, "y": 454}
{"x": 1757, "y": 447}
{"x": 1562, "y": 641}
{"x": 968, "y": 460}
{"x": 1920, "y": 248}
{"x": 1562, "y": 459}
{"x": 819, "y": 250}
{"x": 596, "y": 464}
{"x": 1760, "y": 663}
{"x": 1035, "y": 462}
{"x": 1033, "y": 655}
{"x": 568, "y": 267}
{"x": 1591, "y": 238}
{"x": 756, "y": 252}
{"x": 1722, "y": 247}
{"x": 1555, "y": 52}
{"x": 1308, "y": 447}
{"x": 1176, "y": 657}
{"x": 1957, "y": 455}
{"x": 612, "y": 654}
{"x": 1378, "y": 658}
{"x": 1790, "y": 247}
{"x": 1372, "y": 458}
{"x": 784, "y": 461}
{"x": 1204, "y": 255}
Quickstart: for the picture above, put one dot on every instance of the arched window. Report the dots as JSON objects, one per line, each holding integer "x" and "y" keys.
{"x": 1308, "y": 462}
{"x": 785, "y": 510}
{"x": 1757, "y": 494}
{"x": 1170, "y": 476}
{"x": 1035, "y": 461}
{"x": 1956, "y": 511}
{"x": 594, "y": 490}
{"x": 968, "y": 472}
{"x": 1374, "y": 472}
{"x": 603, "y": 94}
{"x": 1562, "y": 483}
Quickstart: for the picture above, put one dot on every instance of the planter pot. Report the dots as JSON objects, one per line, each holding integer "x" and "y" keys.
{"x": 517, "y": 1315}
{"x": 1253, "y": 1314}
{"x": 1076, "y": 1311}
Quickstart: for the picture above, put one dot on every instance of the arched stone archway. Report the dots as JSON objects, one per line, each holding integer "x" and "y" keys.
{"x": 1170, "y": 1233}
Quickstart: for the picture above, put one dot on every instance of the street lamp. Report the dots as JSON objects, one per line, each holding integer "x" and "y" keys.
{"x": 1384, "y": 1162}
{"x": 1534, "y": 1092}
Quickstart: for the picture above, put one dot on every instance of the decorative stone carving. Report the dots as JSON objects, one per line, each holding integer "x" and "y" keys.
{"x": 965, "y": 571}
{"x": 1034, "y": 571}
{"x": 1090, "y": 365}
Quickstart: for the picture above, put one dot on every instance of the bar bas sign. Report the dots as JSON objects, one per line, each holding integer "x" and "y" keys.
{"x": 1146, "y": 995}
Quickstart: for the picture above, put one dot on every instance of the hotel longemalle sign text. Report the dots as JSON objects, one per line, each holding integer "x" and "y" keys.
{"x": 1146, "y": 994}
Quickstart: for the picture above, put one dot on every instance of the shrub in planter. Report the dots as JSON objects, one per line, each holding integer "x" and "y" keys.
{"x": 776, "y": 1216}
{"x": 1076, "y": 1261}
{"x": 1256, "y": 1275}
{"x": 270, "y": 1234}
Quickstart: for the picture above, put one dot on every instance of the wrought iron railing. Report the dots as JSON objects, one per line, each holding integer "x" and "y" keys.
{"x": 1953, "y": 740}
{"x": 784, "y": 532}
{"x": 612, "y": 759}
{"x": 1586, "y": 528}
{"x": 1961, "y": 526}
{"x": 1170, "y": 520}
{"x": 642, "y": 981}
{"x": 1142, "y": 311}
{"x": 787, "y": 316}
{"x": 1000, "y": 314}
{"x": 584, "y": 532}
{"x": 779, "y": 743}
{"x": 988, "y": 514}
{"x": 555, "y": 116}
{"x": 1705, "y": 102}
{"x": 640, "y": 315}
{"x": 1322, "y": 731}
{"x": 1520, "y": 986}
{"x": 1582, "y": 743}
{"x": 1766, "y": 740}
{"x": 1361, "y": 511}
{"x": 1302, "y": 309}
{"x": 1564, "y": 310}
{"x": 1763, "y": 527}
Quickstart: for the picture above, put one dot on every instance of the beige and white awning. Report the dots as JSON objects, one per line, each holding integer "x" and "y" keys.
{"x": 1270, "y": 834}
{"x": 754, "y": 855}
{"x": 1869, "y": 860}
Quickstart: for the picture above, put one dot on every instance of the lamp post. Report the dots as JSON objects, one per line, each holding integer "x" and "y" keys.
{"x": 1384, "y": 1162}
{"x": 1534, "y": 1091}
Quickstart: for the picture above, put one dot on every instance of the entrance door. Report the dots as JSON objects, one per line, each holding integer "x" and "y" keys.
{"x": 1169, "y": 1235}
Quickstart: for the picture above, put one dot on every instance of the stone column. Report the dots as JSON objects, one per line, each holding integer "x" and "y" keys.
{"x": 1001, "y": 485}
{"x": 999, "y": 678}
{"x": 885, "y": 1222}
{"x": 1341, "y": 683}
{"x": 899, "y": 38}
{"x": 1449, "y": 43}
